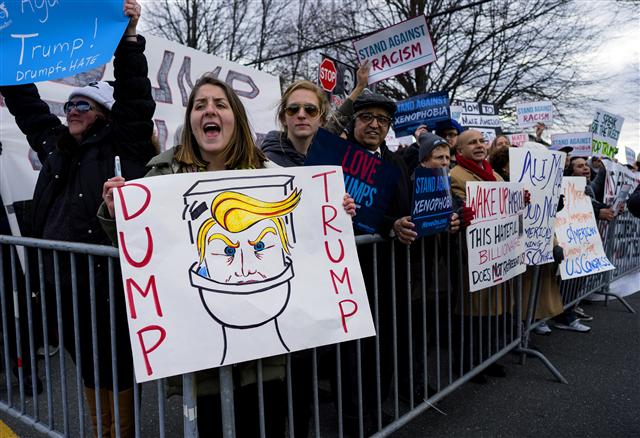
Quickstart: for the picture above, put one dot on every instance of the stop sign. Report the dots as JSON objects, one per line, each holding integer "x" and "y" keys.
{"x": 328, "y": 75}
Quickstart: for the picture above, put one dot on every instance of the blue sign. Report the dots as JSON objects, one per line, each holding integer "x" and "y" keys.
{"x": 368, "y": 179}
{"x": 426, "y": 109}
{"x": 41, "y": 40}
{"x": 432, "y": 203}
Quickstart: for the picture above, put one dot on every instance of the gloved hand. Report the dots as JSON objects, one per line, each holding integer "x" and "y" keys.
{"x": 558, "y": 254}
{"x": 466, "y": 214}
{"x": 527, "y": 197}
{"x": 560, "y": 203}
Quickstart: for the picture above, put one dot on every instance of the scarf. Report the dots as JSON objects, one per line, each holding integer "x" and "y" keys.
{"x": 485, "y": 172}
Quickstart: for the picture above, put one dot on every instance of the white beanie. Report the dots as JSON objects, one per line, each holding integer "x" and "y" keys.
{"x": 101, "y": 92}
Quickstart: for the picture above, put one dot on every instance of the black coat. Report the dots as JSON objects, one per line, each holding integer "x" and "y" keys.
{"x": 279, "y": 149}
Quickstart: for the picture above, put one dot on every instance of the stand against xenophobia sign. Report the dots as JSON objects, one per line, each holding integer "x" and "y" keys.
{"x": 540, "y": 171}
{"x": 224, "y": 267}
{"x": 578, "y": 234}
{"x": 41, "y": 40}
{"x": 495, "y": 246}
{"x": 579, "y": 141}
{"x": 426, "y": 109}
{"x": 396, "y": 49}
{"x": 368, "y": 179}
{"x": 432, "y": 202}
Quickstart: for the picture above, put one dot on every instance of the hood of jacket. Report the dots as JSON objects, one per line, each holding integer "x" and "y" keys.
{"x": 279, "y": 149}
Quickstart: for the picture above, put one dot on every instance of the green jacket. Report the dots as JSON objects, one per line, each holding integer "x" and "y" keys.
{"x": 244, "y": 373}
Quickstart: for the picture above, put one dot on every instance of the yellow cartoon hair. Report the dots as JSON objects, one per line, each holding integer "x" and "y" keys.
{"x": 237, "y": 212}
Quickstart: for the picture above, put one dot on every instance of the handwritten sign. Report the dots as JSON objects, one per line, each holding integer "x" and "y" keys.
{"x": 368, "y": 179}
{"x": 396, "y": 49}
{"x": 531, "y": 113}
{"x": 606, "y": 131}
{"x": 426, "y": 109}
{"x": 581, "y": 142}
{"x": 577, "y": 233}
{"x": 225, "y": 267}
{"x": 541, "y": 173}
{"x": 480, "y": 116}
{"x": 51, "y": 39}
{"x": 518, "y": 140}
{"x": 616, "y": 178}
{"x": 495, "y": 245}
{"x": 432, "y": 203}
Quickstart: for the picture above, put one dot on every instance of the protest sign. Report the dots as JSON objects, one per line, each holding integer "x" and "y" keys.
{"x": 579, "y": 141}
{"x": 224, "y": 267}
{"x": 480, "y": 116}
{"x": 495, "y": 247}
{"x": 345, "y": 80}
{"x": 396, "y": 49}
{"x": 432, "y": 203}
{"x": 426, "y": 109}
{"x": 540, "y": 171}
{"x": 577, "y": 233}
{"x": 630, "y": 155}
{"x": 606, "y": 131}
{"x": 368, "y": 179}
{"x": 531, "y": 113}
{"x": 51, "y": 39}
{"x": 518, "y": 140}
{"x": 616, "y": 177}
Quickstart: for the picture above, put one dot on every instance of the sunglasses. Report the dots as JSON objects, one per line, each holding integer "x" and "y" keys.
{"x": 82, "y": 106}
{"x": 294, "y": 108}
{"x": 383, "y": 121}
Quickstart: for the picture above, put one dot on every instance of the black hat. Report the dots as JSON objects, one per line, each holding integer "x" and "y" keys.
{"x": 428, "y": 142}
{"x": 368, "y": 99}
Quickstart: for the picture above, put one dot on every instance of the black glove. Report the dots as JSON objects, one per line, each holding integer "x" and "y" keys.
{"x": 560, "y": 203}
{"x": 558, "y": 254}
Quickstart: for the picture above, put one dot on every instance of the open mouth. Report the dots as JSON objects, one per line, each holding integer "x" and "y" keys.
{"x": 211, "y": 129}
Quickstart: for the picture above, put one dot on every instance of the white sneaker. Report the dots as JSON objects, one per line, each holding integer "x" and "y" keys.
{"x": 52, "y": 350}
{"x": 542, "y": 329}
{"x": 575, "y": 326}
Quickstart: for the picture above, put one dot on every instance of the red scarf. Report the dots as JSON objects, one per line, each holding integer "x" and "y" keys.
{"x": 485, "y": 172}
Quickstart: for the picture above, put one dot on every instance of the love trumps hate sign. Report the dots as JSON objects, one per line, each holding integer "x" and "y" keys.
{"x": 42, "y": 40}
{"x": 495, "y": 246}
{"x": 225, "y": 267}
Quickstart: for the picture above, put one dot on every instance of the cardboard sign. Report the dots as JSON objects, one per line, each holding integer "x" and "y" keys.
{"x": 396, "y": 49}
{"x": 531, "y": 113}
{"x": 225, "y": 267}
{"x": 541, "y": 173}
{"x": 51, "y": 39}
{"x": 580, "y": 142}
{"x": 577, "y": 233}
{"x": 606, "y": 131}
{"x": 346, "y": 79}
{"x": 495, "y": 246}
{"x": 618, "y": 176}
{"x": 432, "y": 202}
{"x": 483, "y": 117}
{"x": 368, "y": 179}
{"x": 426, "y": 109}
{"x": 518, "y": 140}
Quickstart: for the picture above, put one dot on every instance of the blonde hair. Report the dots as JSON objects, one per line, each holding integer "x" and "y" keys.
{"x": 323, "y": 103}
{"x": 237, "y": 212}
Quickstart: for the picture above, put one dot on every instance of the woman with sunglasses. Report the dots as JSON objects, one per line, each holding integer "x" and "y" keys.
{"x": 103, "y": 121}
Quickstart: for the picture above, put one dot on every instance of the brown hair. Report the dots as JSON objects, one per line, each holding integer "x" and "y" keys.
{"x": 302, "y": 85}
{"x": 499, "y": 158}
{"x": 240, "y": 153}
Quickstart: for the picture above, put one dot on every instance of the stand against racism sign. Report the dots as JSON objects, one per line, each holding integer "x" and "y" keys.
{"x": 531, "y": 113}
{"x": 51, "y": 39}
{"x": 225, "y": 267}
{"x": 606, "y": 131}
{"x": 369, "y": 180}
{"x": 396, "y": 49}
{"x": 495, "y": 246}
{"x": 578, "y": 234}
{"x": 426, "y": 109}
{"x": 541, "y": 173}
{"x": 579, "y": 141}
{"x": 432, "y": 203}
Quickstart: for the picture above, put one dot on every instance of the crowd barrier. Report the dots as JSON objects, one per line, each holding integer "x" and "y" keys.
{"x": 432, "y": 338}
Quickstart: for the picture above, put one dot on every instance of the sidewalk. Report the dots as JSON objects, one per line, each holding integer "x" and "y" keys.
{"x": 601, "y": 400}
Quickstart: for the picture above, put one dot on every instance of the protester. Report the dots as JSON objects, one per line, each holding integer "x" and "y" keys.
{"x": 449, "y": 130}
{"x": 499, "y": 160}
{"x": 498, "y": 142}
{"x": 103, "y": 120}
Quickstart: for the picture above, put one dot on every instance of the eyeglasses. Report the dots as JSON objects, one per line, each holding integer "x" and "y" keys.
{"x": 449, "y": 135}
{"x": 294, "y": 108}
{"x": 82, "y": 106}
{"x": 383, "y": 121}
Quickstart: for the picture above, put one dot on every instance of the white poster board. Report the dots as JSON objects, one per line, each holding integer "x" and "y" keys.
{"x": 579, "y": 141}
{"x": 617, "y": 176}
{"x": 541, "y": 173}
{"x": 396, "y": 49}
{"x": 225, "y": 267}
{"x": 517, "y": 140}
{"x": 531, "y": 113}
{"x": 606, "y": 131}
{"x": 495, "y": 244}
{"x": 577, "y": 233}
